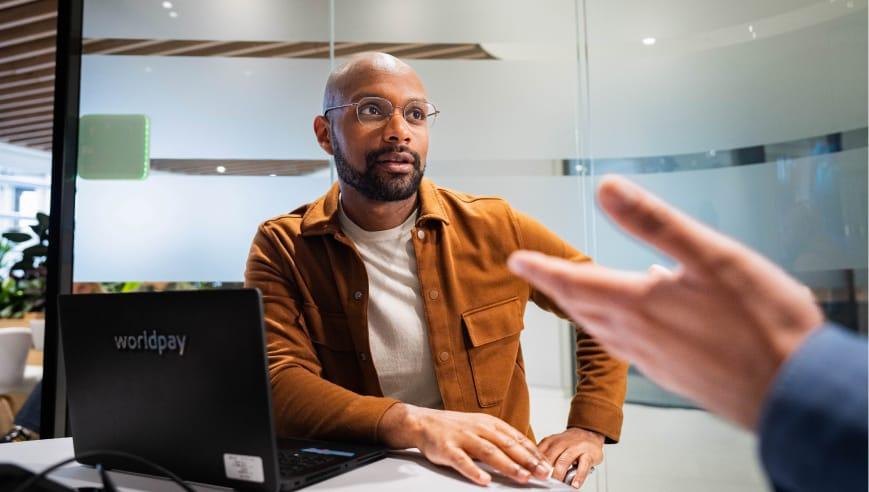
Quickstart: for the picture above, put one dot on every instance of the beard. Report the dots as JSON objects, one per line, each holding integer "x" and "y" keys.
{"x": 375, "y": 184}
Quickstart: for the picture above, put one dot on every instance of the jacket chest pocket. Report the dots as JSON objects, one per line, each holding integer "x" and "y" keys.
{"x": 330, "y": 334}
{"x": 493, "y": 335}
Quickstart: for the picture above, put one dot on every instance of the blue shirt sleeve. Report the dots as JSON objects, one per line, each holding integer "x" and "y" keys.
{"x": 813, "y": 434}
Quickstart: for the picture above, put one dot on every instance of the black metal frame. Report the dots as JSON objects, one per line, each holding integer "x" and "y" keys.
{"x": 67, "y": 79}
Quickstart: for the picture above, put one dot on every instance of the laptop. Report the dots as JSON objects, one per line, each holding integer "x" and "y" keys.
{"x": 180, "y": 378}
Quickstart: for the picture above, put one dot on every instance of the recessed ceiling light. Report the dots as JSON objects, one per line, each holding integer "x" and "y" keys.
{"x": 167, "y": 5}
{"x": 272, "y": 174}
{"x": 649, "y": 41}
{"x": 221, "y": 169}
{"x": 173, "y": 14}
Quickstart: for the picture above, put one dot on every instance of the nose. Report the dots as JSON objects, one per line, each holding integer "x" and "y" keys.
{"x": 397, "y": 130}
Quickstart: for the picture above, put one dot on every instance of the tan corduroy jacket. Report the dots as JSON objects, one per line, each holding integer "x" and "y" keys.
{"x": 315, "y": 295}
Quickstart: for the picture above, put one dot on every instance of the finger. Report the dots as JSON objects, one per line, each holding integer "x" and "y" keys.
{"x": 657, "y": 271}
{"x": 518, "y": 447}
{"x": 568, "y": 282}
{"x": 528, "y": 444}
{"x": 544, "y": 445}
{"x": 657, "y": 223}
{"x": 459, "y": 460}
{"x": 490, "y": 454}
{"x": 553, "y": 449}
{"x": 564, "y": 461}
{"x": 582, "y": 470}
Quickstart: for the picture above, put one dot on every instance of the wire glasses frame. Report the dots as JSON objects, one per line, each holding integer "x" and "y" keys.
{"x": 376, "y": 111}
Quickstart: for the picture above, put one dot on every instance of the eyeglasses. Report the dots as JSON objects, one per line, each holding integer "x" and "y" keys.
{"x": 376, "y": 111}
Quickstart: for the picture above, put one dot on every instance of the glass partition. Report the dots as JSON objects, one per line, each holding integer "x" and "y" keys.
{"x": 752, "y": 119}
{"x": 230, "y": 108}
{"x": 229, "y": 90}
{"x": 750, "y": 116}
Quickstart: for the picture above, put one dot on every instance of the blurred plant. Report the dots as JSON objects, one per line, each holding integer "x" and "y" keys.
{"x": 6, "y": 259}
{"x": 123, "y": 287}
{"x": 120, "y": 287}
{"x": 22, "y": 290}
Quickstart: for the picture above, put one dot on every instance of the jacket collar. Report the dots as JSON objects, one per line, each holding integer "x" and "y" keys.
{"x": 322, "y": 215}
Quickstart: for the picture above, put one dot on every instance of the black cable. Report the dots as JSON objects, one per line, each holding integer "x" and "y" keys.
{"x": 108, "y": 484}
{"x": 98, "y": 453}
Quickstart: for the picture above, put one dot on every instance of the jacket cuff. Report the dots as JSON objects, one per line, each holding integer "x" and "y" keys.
{"x": 358, "y": 422}
{"x": 383, "y": 404}
{"x": 595, "y": 414}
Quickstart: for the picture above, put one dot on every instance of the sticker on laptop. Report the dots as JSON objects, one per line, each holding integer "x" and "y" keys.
{"x": 329, "y": 452}
{"x": 243, "y": 467}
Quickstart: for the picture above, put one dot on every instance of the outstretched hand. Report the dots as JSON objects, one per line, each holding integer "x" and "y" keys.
{"x": 716, "y": 330}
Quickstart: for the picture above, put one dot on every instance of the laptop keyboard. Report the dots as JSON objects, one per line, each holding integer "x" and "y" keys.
{"x": 296, "y": 462}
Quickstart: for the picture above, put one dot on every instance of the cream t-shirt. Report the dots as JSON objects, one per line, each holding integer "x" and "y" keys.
{"x": 397, "y": 331}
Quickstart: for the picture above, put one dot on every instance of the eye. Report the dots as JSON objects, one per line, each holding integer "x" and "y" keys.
{"x": 416, "y": 114}
{"x": 370, "y": 109}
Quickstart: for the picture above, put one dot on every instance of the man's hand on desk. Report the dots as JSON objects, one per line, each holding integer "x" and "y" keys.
{"x": 455, "y": 439}
{"x": 573, "y": 446}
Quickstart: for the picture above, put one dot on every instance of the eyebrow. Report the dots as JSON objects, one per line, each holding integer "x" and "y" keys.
{"x": 357, "y": 97}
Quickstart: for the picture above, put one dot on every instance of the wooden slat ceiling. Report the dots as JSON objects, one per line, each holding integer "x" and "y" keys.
{"x": 27, "y": 39}
{"x": 261, "y": 49}
{"x": 27, "y": 54}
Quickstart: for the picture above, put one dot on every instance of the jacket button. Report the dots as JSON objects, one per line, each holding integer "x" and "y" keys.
{"x": 433, "y": 294}
{"x": 363, "y": 356}
{"x": 444, "y": 356}
{"x": 420, "y": 234}
{"x": 357, "y": 295}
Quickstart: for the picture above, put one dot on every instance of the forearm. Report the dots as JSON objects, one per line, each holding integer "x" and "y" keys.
{"x": 813, "y": 429}
{"x": 306, "y": 405}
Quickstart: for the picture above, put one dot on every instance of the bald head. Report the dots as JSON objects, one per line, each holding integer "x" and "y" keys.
{"x": 359, "y": 69}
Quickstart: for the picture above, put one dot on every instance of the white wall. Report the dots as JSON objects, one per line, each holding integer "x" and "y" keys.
{"x": 16, "y": 159}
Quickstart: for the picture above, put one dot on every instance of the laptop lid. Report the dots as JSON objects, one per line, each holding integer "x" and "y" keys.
{"x": 179, "y": 378}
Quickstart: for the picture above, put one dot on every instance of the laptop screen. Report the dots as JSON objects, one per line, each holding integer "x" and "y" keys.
{"x": 179, "y": 378}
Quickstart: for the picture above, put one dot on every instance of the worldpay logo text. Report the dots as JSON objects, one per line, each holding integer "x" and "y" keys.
{"x": 151, "y": 342}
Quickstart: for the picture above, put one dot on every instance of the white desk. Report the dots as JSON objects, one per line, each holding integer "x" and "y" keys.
{"x": 402, "y": 471}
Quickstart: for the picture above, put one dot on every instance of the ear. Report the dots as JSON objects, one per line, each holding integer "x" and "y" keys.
{"x": 323, "y": 131}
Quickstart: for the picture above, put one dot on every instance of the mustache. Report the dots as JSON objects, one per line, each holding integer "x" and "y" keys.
{"x": 373, "y": 156}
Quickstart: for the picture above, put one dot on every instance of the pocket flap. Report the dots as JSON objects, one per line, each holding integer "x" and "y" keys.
{"x": 493, "y": 322}
{"x": 328, "y": 329}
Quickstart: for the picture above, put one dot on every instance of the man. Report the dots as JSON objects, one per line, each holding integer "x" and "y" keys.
{"x": 391, "y": 314}
{"x": 730, "y": 330}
